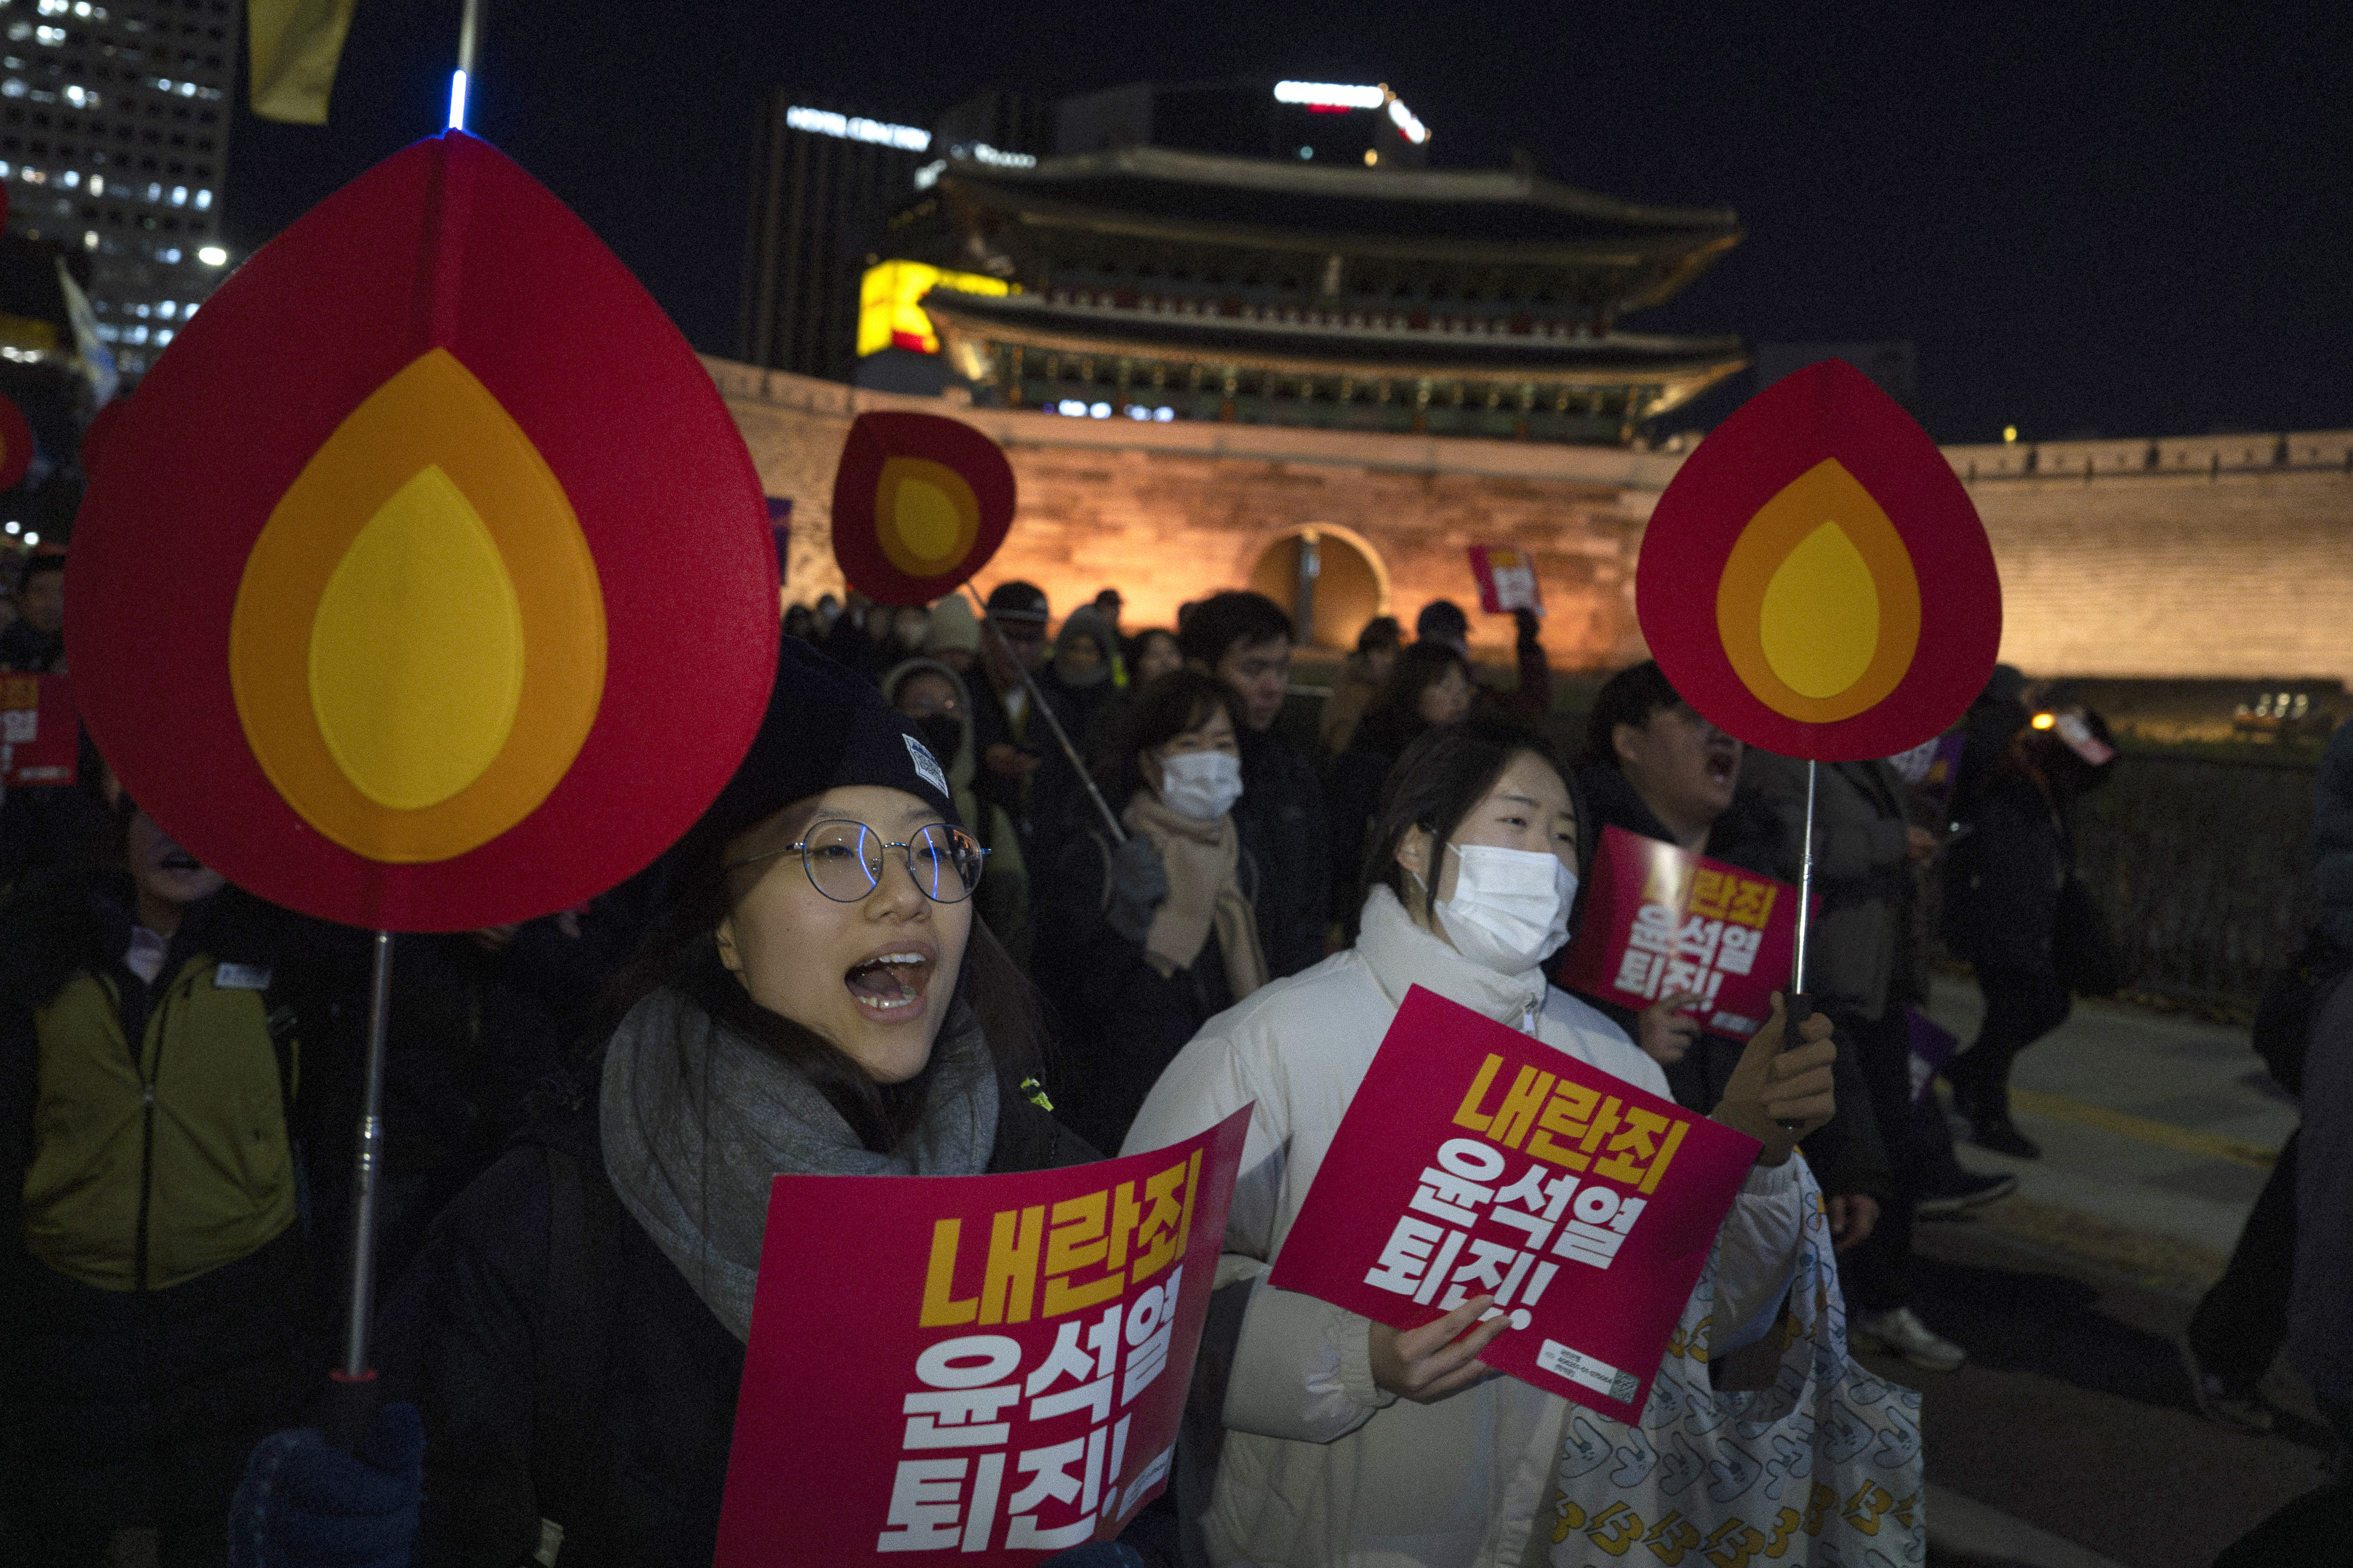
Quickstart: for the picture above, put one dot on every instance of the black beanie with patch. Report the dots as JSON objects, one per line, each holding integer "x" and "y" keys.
{"x": 826, "y": 728}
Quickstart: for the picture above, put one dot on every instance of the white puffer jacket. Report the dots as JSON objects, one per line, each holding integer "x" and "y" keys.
{"x": 1320, "y": 1467}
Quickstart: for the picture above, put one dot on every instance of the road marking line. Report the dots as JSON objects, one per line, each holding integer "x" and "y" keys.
{"x": 2165, "y": 1134}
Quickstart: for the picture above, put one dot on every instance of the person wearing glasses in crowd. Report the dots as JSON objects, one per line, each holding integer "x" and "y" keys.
{"x": 818, "y": 999}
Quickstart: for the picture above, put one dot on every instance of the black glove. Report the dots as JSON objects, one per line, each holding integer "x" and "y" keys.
{"x": 1529, "y": 627}
{"x": 1139, "y": 885}
{"x": 306, "y": 1504}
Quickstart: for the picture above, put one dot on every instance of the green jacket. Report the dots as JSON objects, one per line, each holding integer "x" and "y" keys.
{"x": 152, "y": 1167}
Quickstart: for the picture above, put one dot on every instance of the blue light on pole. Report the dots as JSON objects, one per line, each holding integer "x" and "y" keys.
{"x": 458, "y": 100}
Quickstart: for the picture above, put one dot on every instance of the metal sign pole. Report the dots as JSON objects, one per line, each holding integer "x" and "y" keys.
{"x": 1800, "y": 1005}
{"x": 1805, "y": 895}
{"x": 470, "y": 28}
{"x": 352, "y": 1391}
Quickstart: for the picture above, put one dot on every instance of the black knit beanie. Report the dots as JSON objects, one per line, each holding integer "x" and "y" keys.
{"x": 827, "y": 726}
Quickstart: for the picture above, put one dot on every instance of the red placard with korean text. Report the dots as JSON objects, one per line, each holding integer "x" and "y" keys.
{"x": 1507, "y": 579}
{"x": 985, "y": 1370}
{"x": 1476, "y": 1160}
{"x": 40, "y": 739}
{"x": 1660, "y": 919}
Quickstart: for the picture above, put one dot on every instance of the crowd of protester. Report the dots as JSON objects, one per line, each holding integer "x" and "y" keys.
{"x": 1147, "y": 880}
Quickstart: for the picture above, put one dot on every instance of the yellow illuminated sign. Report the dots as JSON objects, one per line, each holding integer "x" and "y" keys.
{"x": 888, "y": 314}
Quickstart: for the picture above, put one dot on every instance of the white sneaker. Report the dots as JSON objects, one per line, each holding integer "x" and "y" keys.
{"x": 1900, "y": 1330}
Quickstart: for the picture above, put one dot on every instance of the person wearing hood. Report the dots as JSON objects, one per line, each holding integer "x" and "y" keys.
{"x": 1143, "y": 942}
{"x": 1077, "y": 686}
{"x": 1345, "y": 1440}
{"x": 816, "y": 999}
{"x": 934, "y": 697}
{"x": 954, "y": 636}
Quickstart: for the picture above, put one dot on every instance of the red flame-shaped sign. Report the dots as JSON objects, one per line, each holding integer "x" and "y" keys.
{"x": 920, "y": 503}
{"x": 427, "y": 583}
{"x": 1815, "y": 579}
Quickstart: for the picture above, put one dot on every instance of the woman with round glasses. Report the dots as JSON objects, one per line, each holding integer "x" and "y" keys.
{"x": 816, "y": 1000}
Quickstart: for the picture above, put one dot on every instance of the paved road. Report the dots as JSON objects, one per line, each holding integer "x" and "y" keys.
{"x": 2070, "y": 1440}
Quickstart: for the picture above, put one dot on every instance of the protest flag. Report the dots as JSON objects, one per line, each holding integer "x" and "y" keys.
{"x": 295, "y": 45}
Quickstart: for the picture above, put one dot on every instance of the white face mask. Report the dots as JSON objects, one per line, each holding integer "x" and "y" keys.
{"x": 1202, "y": 785}
{"x": 1510, "y": 908}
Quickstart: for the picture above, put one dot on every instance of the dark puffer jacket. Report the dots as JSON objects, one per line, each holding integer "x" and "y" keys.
{"x": 613, "y": 1418}
{"x": 2332, "y": 840}
{"x": 2002, "y": 882}
{"x": 1283, "y": 828}
{"x": 1122, "y": 1022}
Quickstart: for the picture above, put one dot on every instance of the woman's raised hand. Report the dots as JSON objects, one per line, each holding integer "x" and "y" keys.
{"x": 1428, "y": 1363}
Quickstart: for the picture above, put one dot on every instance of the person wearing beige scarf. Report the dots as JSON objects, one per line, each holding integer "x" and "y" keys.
{"x": 1203, "y": 897}
{"x": 1144, "y": 939}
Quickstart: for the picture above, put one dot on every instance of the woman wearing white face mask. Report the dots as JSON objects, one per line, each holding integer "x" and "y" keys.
{"x": 1348, "y": 1442}
{"x": 1141, "y": 943}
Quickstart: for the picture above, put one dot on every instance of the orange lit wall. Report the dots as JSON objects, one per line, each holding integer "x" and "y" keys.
{"x": 2225, "y": 556}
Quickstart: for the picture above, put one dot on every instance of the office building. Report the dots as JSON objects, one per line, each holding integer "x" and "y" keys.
{"x": 113, "y": 138}
{"x": 824, "y": 186}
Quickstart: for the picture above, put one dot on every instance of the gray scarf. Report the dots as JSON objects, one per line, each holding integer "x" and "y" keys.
{"x": 697, "y": 1119}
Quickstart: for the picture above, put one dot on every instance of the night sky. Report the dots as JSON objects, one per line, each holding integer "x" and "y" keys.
{"x": 2128, "y": 223}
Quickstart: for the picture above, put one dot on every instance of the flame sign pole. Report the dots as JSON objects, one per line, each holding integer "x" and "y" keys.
{"x": 469, "y": 28}
{"x": 1037, "y": 706}
{"x": 355, "y": 1394}
{"x": 352, "y": 1391}
{"x": 1800, "y": 1005}
{"x": 367, "y": 1166}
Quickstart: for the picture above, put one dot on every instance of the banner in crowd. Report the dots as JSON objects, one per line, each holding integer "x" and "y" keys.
{"x": 1933, "y": 767}
{"x": 1476, "y": 1160}
{"x": 1507, "y": 579}
{"x": 990, "y": 1368}
{"x": 40, "y": 739}
{"x": 1659, "y": 919}
{"x": 1933, "y": 1047}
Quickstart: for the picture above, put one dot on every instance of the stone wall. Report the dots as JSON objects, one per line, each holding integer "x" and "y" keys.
{"x": 2225, "y": 556}
{"x": 2217, "y": 558}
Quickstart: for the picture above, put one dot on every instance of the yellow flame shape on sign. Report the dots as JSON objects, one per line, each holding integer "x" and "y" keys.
{"x": 1819, "y": 607}
{"x": 926, "y": 516}
{"x": 417, "y": 648}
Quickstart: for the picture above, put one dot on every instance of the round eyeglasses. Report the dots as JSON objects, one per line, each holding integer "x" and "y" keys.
{"x": 844, "y": 861}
